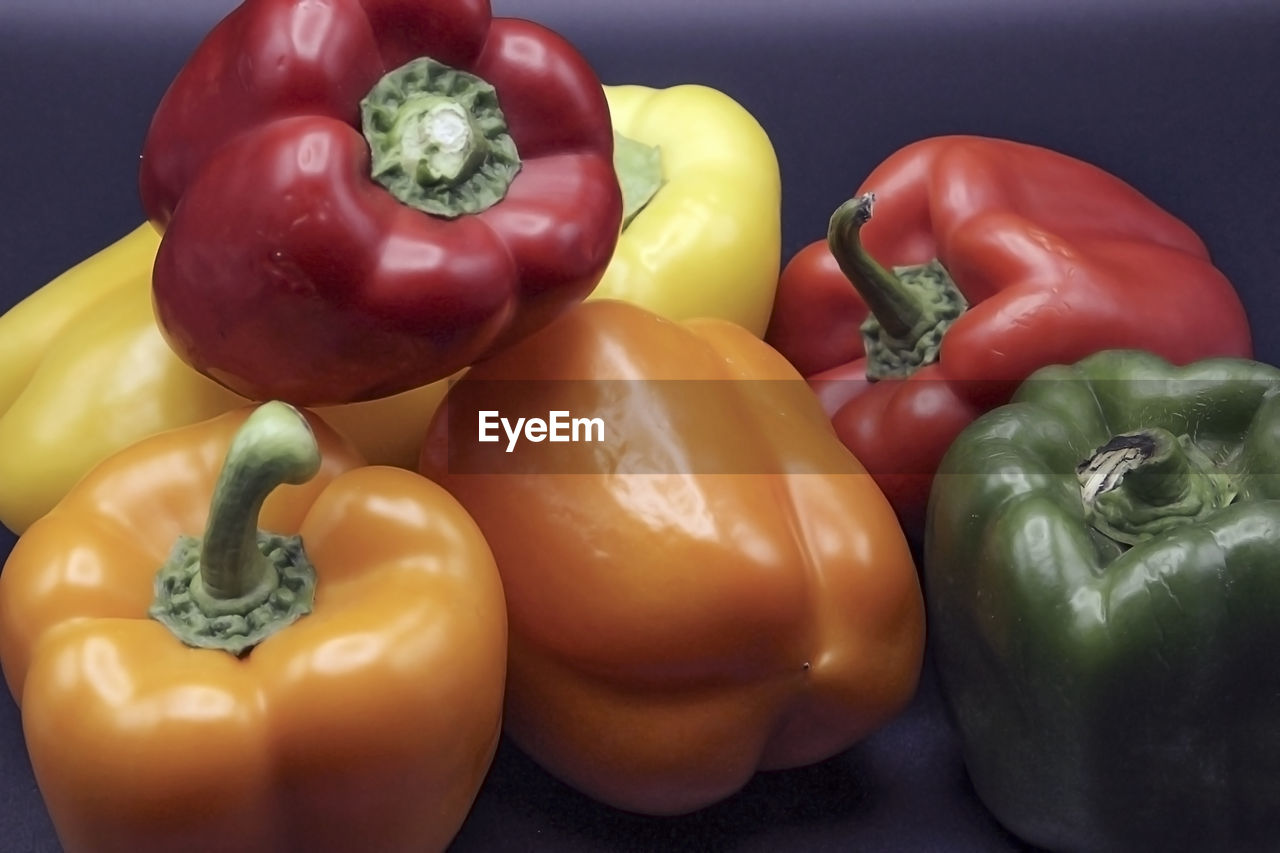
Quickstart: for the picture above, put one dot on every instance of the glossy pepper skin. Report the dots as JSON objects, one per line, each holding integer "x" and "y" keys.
{"x": 367, "y": 724}
{"x": 1056, "y": 259}
{"x": 702, "y": 233}
{"x": 287, "y": 271}
{"x": 85, "y": 372}
{"x": 1106, "y": 644}
{"x": 714, "y": 588}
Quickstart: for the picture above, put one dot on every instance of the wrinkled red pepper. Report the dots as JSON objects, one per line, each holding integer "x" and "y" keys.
{"x": 363, "y": 196}
{"x": 1002, "y": 257}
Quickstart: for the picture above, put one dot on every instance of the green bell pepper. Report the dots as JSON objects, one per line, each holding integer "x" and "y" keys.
{"x": 1102, "y": 574}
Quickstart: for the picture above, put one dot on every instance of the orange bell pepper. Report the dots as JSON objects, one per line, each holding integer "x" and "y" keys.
{"x": 365, "y": 716}
{"x": 706, "y": 585}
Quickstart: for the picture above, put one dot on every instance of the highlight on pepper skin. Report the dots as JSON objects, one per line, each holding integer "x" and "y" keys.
{"x": 1100, "y": 566}
{"x": 413, "y": 271}
{"x": 273, "y": 645}
{"x": 963, "y": 264}
{"x": 715, "y": 588}
{"x": 448, "y": 393}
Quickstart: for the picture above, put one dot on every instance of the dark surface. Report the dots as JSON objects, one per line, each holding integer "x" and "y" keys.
{"x": 1177, "y": 97}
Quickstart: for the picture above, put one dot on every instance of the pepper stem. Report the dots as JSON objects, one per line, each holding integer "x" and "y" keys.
{"x": 274, "y": 446}
{"x": 438, "y": 140}
{"x": 1141, "y": 484}
{"x": 911, "y": 307}
{"x": 237, "y": 585}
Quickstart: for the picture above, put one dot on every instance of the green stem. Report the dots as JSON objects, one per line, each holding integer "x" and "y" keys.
{"x": 1143, "y": 483}
{"x": 438, "y": 140}
{"x": 237, "y": 584}
{"x": 899, "y": 309}
{"x": 911, "y": 307}
{"x": 275, "y": 446}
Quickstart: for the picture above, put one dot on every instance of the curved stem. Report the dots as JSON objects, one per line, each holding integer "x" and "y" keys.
{"x": 911, "y": 307}
{"x": 899, "y": 309}
{"x": 1143, "y": 483}
{"x": 237, "y": 585}
{"x": 274, "y": 446}
{"x": 1164, "y": 479}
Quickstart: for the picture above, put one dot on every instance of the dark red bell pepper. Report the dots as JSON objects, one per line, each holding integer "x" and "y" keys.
{"x": 362, "y": 196}
{"x": 998, "y": 258}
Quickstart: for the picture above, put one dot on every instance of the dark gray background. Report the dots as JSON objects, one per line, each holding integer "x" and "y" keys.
{"x": 1178, "y": 97}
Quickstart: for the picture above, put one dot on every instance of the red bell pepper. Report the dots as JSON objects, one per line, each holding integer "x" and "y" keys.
{"x": 359, "y": 197}
{"x": 999, "y": 258}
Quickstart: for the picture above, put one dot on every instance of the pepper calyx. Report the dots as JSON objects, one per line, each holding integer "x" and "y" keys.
{"x": 1144, "y": 483}
{"x": 237, "y": 585}
{"x": 438, "y": 139}
{"x": 911, "y": 307}
{"x": 639, "y": 170}
{"x": 186, "y": 608}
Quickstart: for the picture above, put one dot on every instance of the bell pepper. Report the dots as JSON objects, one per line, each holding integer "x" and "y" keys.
{"x": 710, "y": 586}
{"x": 27, "y": 328}
{"x": 1100, "y": 576}
{"x": 188, "y": 681}
{"x": 84, "y": 372}
{"x": 701, "y": 229}
{"x": 360, "y": 197}
{"x": 985, "y": 260}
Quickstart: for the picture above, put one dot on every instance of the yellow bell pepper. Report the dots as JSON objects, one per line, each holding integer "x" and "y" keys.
{"x": 707, "y": 241}
{"x": 85, "y": 372}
